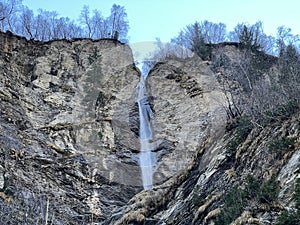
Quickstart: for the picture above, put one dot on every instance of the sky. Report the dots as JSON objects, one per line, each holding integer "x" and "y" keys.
{"x": 151, "y": 19}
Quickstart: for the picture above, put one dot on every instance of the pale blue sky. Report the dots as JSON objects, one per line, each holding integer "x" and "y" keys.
{"x": 165, "y": 18}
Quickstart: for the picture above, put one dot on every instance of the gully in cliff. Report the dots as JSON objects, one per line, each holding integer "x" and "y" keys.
{"x": 146, "y": 156}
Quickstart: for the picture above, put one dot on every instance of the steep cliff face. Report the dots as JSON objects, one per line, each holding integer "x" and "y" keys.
{"x": 187, "y": 105}
{"x": 69, "y": 143}
{"x": 207, "y": 172}
{"x": 186, "y": 101}
{"x": 66, "y": 139}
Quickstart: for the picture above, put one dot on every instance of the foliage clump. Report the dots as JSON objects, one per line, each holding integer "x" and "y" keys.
{"x": 93, "y": 57}
{"x": 242, "y": 130}
{"x": 282, "y": 145}
{"x": 248, "y": 39}
{"x": 292, "y": 216}
{"x": 238, "y": 199}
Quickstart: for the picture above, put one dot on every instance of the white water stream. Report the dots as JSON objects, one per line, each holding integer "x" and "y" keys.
{"x": 147, "y": 158}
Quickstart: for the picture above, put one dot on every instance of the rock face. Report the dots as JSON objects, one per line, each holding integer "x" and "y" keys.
{"x": 185, "y": 96}
{"x": 69, "y": 143}
{"x": 207, "y": 172}
{"x": 66, "y": 139}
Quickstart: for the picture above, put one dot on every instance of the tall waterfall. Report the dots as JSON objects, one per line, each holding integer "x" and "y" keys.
{"x": 146, "y": 156}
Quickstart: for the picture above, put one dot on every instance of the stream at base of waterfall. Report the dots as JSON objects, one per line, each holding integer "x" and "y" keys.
{"x": 147, "y": 159}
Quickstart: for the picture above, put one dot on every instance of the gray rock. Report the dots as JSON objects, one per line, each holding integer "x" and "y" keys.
{"x": 2, "y": 180}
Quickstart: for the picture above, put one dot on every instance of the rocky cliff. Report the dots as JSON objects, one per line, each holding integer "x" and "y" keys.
{"x": 67, "y": 144}
{"x": 69, "y": 141}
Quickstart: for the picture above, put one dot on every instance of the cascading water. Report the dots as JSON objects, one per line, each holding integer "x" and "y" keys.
{"x": 146, "y": 155}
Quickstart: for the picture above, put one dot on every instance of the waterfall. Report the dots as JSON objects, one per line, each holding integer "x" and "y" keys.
{"x": 146, "y": 155}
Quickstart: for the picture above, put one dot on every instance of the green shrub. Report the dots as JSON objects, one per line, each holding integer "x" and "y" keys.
{"x": 237, "y": 199}
{"x": 282, "y": 145}
{"x": 281, "y": 112}
{"x": 241, "y": 132}
{"x": 93, "y": 56}
{"x": 233, "y": 206}
{"x": 198, "y": 198}
{"x": 248, "y": 40}
{"x": 202, "y": 49}
{"x": 100, "y": 135}
{"x": 297, "y": 194}
{"x": 288, "y": 218}
{"x": 252, "y": 188}
{"x": 292, "y": 217}
{"x": 268, "y": 191}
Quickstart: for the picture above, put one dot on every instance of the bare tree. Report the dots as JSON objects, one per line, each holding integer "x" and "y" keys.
{"x": 64, "y": 28}
{"x": 192, "y": 38}
{"x": 289, "y": 78}
{"x": 51, "y": 18}
{"x": 253, "y": 36}
{"x": 285, "y": 38}
{"x": 233, "y": 36}
{"x": 46, "y": 25}
{"x": 97, "y": 22}
{"x": 60, "y": 30}
{"x": 118, "y": 22}
{"x": 213, "y": 32}
{"x": 104, "y": 29}
{"x": 245, "y": 80}
{"x": 28, "y": 23}
{"x": 96, "y": 26}
{"x": 208, "y": 31}
{"x": 163, "y": 52}
{"x": 8, "y": 9}
{"x": 233, "y": 76}
{"x": 86, "y": 20}
{"x": 74, "y": 30}
{"x": 197, "y": 36}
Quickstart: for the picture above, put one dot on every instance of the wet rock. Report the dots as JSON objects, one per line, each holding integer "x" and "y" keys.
{"x": 134, "y": 119}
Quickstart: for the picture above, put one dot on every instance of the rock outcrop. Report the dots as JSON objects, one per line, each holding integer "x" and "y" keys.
{"x": 69, "y": 143}
{"x": 186, "y": 101}
{"x": 208, "y": 172}
{"x": 66, "y": 143}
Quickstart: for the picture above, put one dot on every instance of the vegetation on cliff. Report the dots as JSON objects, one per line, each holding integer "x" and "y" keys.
{"x": 260, "y": 79}
{"x": 227, "y": 126}
{"x": 47, "y": 25}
